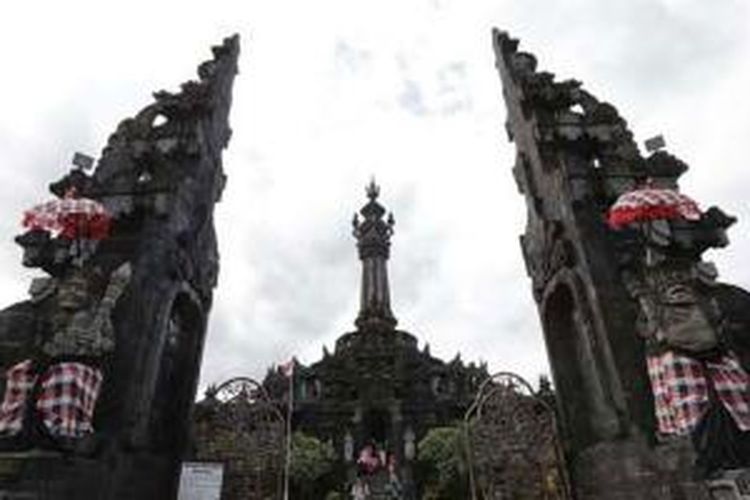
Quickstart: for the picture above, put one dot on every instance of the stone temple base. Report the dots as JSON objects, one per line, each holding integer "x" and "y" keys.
{"x": 732, "y": 485}
{"x": 630, "y": 470}
{"x": 41, "y": 475}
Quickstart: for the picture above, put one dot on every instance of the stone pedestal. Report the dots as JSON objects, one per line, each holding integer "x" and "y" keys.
{"x": 631, "y": 470}
{"x": 41, "y": 475}
{"x": 732, "y": 485}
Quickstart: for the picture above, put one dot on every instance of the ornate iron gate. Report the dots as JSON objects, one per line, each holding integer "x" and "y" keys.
{"x": 512, "y": 443}
{"x": 239, "y": 425}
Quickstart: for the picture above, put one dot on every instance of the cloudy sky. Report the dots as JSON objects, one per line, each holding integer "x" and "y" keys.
{"x": 332, "y": 92}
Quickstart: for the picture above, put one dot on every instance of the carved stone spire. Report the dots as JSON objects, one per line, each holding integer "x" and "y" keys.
{"x": 373, "y": 236}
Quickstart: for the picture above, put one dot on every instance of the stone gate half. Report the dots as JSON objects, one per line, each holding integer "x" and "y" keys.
{"x": 119, "y": 324}
{"x": 575, "y": 157}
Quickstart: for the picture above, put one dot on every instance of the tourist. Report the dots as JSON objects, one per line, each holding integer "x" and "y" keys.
{"x": 382, "y": 456}
{"x": 368, "y": 461}
{"x": 394, "y": 488}
{"x": 360, "y": 490}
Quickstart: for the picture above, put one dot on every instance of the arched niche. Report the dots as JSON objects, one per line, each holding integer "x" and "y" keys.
{"x": 572, "y": 365}
{"x": 376, "y": 426}
{"x": 181, "y": 338}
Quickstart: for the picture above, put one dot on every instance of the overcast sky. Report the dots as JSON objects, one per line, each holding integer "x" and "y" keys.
{"x": 332, "y": 92}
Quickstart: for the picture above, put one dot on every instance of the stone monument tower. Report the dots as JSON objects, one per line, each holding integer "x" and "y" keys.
{"x": 377, "y": 390}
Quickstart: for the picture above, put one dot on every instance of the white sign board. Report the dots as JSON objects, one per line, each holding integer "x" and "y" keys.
{"x": 200, "y": 481}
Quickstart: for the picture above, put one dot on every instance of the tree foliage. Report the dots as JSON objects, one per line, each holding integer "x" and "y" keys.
{"x": 311, "y": 459}
{"x": 442, "y": 458}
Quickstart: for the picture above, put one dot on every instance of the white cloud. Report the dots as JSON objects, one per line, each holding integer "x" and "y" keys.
{"x": 332, "y": 92}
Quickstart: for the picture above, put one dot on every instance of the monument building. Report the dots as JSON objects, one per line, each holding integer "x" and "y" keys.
{"x": 377, "y": 388}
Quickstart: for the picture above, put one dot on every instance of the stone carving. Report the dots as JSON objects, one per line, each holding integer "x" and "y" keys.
{"x": 118, "y": 327}
{"x": 575, "y": 157}
{"x": 546, "y": 253}
{"x": 410, "y": 447}
{"x": 83, "y": 328}
{"x": 57, "y": 389}
{"x": 699, "y": 386}
{"x": 348, "y": 447}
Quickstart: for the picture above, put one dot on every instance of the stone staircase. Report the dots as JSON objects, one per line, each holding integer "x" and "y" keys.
{"x": 379, "y": 486}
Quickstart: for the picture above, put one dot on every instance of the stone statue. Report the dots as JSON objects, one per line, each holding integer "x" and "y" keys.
{"x": 86, "y": 328}
{"x": 410, "y": 449}
{"x": 348, "y": 447}
{"x": 104, "y": 364}
{"x": 700, "y": 388}
{"x": 59, "y": 385}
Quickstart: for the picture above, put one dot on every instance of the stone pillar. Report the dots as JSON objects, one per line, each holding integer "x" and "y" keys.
{"x": 373, "y": 242}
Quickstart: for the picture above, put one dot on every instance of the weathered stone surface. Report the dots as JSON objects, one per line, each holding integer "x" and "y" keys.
{"x": 160, "y": 182}
{"x": 575, "y": 156}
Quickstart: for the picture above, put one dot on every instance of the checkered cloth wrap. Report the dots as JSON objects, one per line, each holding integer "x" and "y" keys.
{"x": 648, "y": 203}
{"x": 19, "y": 382}
{"x": 67, "y": 398}
{"x": 681, "y": 394}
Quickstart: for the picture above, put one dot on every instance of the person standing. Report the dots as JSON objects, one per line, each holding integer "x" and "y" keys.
{"x": 360, "y": 490}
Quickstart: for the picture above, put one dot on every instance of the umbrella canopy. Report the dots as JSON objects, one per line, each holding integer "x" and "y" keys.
{"x": 649, "y": 203}
{"x": 70, "y": 217}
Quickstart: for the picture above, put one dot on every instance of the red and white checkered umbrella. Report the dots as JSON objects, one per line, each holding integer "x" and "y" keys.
{"x": 649, "y": 203}
{"x": 70, "y": 217}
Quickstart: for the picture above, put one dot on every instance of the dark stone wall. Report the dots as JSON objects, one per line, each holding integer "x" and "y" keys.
{"x": 160, "y": 182}
{"x": 575, "y": 155}
{"x": 378, "y": 387}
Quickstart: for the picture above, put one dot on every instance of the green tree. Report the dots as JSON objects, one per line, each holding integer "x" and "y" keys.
{"x": 311, "y": 461}
{"x": 442, "y": 459}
